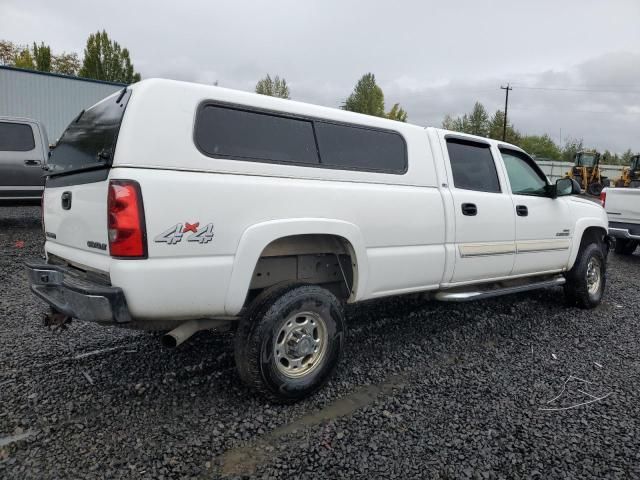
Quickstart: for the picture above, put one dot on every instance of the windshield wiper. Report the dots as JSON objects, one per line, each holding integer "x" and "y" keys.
{"x": 79, "y": 116}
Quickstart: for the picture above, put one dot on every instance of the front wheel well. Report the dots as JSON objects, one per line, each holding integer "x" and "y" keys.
{"x": 593, "y": 235}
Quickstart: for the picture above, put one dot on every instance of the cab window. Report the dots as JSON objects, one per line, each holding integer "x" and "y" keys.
{"x": 524, "y": 176}
{"x": 472, "y": 166}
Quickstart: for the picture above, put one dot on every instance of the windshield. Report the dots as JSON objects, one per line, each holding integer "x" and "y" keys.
{"x": 89, "y": 141}
{"x": 586, "y": 160}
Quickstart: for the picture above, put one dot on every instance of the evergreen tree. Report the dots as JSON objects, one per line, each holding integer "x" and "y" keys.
{"x": 274, "y": 87}
{"x": 42, "y": 57}
{"x": 496, "y": 127}
{"x": 104, "y": 59}
{"x": 367, "y": 97}
{"x": 477, "y": 123}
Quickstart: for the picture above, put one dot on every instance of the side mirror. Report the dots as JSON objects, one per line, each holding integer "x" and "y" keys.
{"x": 567, "y": 186}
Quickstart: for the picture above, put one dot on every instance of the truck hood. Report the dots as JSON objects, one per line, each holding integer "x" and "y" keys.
{"x": 582, "y": 207}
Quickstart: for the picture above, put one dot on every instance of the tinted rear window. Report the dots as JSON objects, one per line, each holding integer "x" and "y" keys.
{"x": 472, "y": 166}
{"x": 228, "y": 132}
{"x": 90, "y": 140}
{"x": 243, "y": 134}
{"x": 344, "y": 146}
{"x": 16, "y": 137}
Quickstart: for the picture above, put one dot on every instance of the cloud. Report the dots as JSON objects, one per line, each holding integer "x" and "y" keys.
{"x": 432, "y": 59}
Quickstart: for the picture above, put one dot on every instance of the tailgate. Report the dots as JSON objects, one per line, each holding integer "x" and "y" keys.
{"x": 76, "y": 216}
{"x": 623, "y": 205}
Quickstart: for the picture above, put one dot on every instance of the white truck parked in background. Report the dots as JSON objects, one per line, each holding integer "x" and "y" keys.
{"x": 623, "y": 210}
{"x": 181, "y": 206}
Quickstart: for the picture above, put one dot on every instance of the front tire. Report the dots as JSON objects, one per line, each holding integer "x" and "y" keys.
{"x": 595, "y": 188}
{"x": 586, "y": 281}
{"x": 290, "y": 342}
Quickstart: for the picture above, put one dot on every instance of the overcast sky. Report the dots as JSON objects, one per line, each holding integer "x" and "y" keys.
{"x": 433, "y": 57}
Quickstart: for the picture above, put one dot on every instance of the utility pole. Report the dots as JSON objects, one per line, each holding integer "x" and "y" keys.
{"x": 506, "y": 105}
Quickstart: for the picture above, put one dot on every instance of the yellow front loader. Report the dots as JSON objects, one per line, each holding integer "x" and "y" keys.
{"x": 631, "y": 174}
{"x": 587, "y": 172}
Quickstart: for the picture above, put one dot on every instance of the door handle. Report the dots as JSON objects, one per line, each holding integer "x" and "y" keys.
{"x": 66, "y": 200}
{"x": 469, "y": 209}
{"x": 32, "y": 163}
{"x": 522, "y": 210}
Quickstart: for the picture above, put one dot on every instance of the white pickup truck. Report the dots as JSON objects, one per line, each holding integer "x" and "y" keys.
{"x": 623, "y": 209}
{"x": 180, "y": 206}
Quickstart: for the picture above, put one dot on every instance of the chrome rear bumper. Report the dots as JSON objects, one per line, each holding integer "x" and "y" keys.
{"x": 77, "y": 297}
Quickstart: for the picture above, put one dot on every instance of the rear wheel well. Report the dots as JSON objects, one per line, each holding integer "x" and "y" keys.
{"x": 321, "y": 259}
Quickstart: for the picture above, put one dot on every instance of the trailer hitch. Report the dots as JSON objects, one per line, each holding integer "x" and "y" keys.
{"x": 56, "y": 320}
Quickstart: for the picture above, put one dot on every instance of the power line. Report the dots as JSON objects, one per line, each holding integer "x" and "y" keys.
{"x": 571, "y": 89}
{"x": 573, "y": 111}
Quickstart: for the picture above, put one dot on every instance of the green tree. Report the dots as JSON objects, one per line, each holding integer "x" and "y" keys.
{"x": 104, "y": 59}
{"x": 571, "y": 147}
{"x": 540, "y": 146}
{"x": 397, "y": 113}
{"x": 24, "y": 59}
{"x": 65, "y": 63}
{"x": 478, "y": 121}
{"x": 609, "y": 158}
{"x": 367, "y": 97}
{"x": 626, "y": 157}
{"x": 274, "y": 87}
{"x": 42, "y": 57}
{"x": 496, "y": 127}
{"x": 475, "y": 123}
{"x": 458, "y": 124}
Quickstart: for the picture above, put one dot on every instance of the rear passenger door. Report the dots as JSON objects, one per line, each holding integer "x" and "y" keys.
{"x": 483, "y": 212}
{"x": 20, "y": 158}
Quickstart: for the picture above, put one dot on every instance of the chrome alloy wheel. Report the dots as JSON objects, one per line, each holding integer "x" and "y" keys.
{"x": 300, "y": 344}
{"x": 594, "y": 275}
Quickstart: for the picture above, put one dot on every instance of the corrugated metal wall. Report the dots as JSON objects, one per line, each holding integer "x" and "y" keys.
{"x": 54, "y": 100}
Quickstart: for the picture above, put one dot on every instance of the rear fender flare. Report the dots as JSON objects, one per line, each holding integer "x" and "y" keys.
{"x": 256, "y": 238}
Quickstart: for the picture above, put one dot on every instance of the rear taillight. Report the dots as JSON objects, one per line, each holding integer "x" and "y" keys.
{"x": 127, "y": 230}
{"x": 603, "y": 197}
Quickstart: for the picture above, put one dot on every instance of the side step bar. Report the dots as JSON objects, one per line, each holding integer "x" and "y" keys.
{"x": 459, "y": 295}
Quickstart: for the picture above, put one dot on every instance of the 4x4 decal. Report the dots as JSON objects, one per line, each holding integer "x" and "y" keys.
{"x": 176, "y": 233}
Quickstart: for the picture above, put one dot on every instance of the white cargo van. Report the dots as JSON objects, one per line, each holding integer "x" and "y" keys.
{"x": 180, "y": 206}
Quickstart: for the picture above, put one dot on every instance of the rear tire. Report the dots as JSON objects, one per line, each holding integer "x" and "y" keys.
{"x": 586, "y": 281}
{"x": 625, "y": 246}
{"x": 290, "y": 341}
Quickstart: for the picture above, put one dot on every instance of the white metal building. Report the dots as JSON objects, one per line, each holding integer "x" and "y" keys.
{"x": 53, "y": 99}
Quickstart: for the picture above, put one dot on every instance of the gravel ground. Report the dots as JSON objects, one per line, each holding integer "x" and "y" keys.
{"x": 426, "y": 390}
